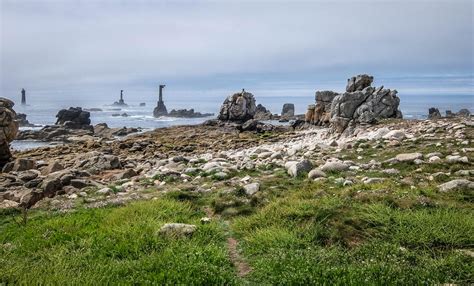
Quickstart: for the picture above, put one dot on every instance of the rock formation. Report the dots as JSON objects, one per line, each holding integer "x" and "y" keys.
{"x": 185, "y": 113}
{"x": 361, "y": 103}
{"x": 238, "y": 107}
{"x": 74, "y": 118}
{"x": 8, "y": 129}
{"x": 121, "y": 102}
{"x": 464, "y": 112}
{"x": 433, "y": 113}
{"x": 22, "y": 121}
{"x": 262, "y": 113}
{"x": 160, "y": 109}
{"x": 288, "y": 110}
{"x": 320, "y": 113}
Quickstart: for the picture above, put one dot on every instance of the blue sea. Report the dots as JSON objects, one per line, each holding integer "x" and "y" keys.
{"x": 43, "y": 112}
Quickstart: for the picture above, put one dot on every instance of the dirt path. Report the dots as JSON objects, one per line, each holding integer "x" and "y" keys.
{"x": 240, "y": 265}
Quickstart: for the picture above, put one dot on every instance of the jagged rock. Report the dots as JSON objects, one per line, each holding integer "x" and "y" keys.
{"x": 184, "y": 113}
{"x": 363, "y": 106}
{"x": 261, "y": 113}
{"x": 74, "y": 118}
{"x": 360, "y": 104}
{"x": 52, "y": 167}
{"x": 322, "y": 109}
{"x": 433, "y": 113}
{"x": 238, "y": 107}
{"x": 288, "y": 110}
{"x": 8, "y": 129}
{"x": 359, "y": 82}
{"x": 22, "y": 121}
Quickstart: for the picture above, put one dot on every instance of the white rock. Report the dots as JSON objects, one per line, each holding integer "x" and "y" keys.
{"x": 334, "y": 166}
{"x": 300, "y": 167}
{"x": 252, "y": 188}
{"x": 408, "y": 157}
{"x": 456, "y": 185}
{"x": 177, "y": 229}
{"x": 398, "y": 135}
{"x": 316, "y": 173}
{"x": 457, "y": 159}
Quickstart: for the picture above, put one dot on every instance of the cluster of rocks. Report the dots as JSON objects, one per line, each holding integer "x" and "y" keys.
{"x": 360, "y": 104}
{"x": 314, "y": 153}
{"x": 74, "y": 118}
{"x": 73, "y": 124}
{"x": 185, "y": 113}
{"x": 433, "y": 113}
{"x": 261, "y": 113}
{"x": 8, "y": 129}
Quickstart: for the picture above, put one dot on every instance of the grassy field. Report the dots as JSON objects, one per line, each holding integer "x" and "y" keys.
{"x": 292, "y": 232}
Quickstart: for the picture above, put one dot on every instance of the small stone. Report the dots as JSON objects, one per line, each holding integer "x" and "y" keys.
{"x": 299, "y": 168}
{"x": 105, "y": 191}
{"x": 252, "y": 188}
{"x": 408, "y": 157}
{"x": 205, "y": 220}
{"x": 316, "y": 173}
{"x": 177, "y": 229}
{"x": 457, "y": 159}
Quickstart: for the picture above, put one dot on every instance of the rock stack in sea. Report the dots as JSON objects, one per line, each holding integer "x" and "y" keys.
{"x": 74, "y": 118}
{"x": 360, "y": 104}
{"x": 8, "y": 129}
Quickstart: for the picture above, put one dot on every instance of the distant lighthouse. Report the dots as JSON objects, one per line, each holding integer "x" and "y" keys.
{"x": 23, "y": 96}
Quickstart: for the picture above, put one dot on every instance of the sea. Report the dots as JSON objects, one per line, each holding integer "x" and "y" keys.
{"x": 43, "y": 112}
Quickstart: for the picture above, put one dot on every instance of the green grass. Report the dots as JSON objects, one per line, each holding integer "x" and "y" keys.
{"x": 292, "y": 232}
{"x": 114, "y": 245}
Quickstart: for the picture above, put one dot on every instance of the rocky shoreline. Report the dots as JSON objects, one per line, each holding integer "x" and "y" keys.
{"x": 99, "y": 166}
{"x": 111, "y": 171}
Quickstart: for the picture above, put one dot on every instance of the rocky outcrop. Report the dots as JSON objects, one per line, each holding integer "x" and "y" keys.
{"x": 360, "y": 104}
{"x": 262, "y": 113}
{"x": 359, "y": 82}
{"x": 185, "y": 113}
{"x": 433, "y": 113}
{"x": 320, "y": 113}
{"x": 8, "y": 129}
{"x": 22, "y": 121}
{"x": 160, "y": 109}
{"x": 74, "y": 118}
{"x": 288, "y": 110}
{"x": 238, "y": 107}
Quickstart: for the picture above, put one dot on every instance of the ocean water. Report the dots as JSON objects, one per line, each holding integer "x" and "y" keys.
{"x": 43, "y": 112}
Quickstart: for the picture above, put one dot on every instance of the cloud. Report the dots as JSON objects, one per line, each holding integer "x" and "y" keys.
{"x": 95, "y": 45}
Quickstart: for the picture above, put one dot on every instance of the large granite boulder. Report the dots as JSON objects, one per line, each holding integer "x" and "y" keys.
{"x": 288, "y": 110}
{"x": 22, "y": 121}
{"x": 238, "y": 107}
{"x": 74, "y": 118}
{"x": 363, "y": 106}
{"x": 8, "y": 129}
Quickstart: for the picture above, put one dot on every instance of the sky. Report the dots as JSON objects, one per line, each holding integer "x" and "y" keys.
{"x": 212, "y": 48}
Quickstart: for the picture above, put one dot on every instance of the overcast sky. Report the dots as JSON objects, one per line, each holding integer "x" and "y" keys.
{"x": 92, "y": 46}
